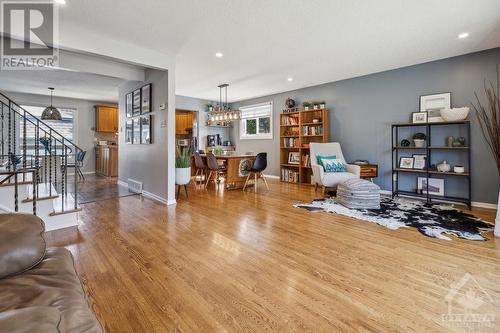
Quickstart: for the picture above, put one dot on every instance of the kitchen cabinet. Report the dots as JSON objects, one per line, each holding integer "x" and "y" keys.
{"x": 106, "y": 161}
{"x": 183, "y": 122}
{"x": 106, "y": 119}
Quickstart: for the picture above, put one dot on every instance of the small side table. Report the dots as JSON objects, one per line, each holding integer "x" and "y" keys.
{"x": 369, "y": 171}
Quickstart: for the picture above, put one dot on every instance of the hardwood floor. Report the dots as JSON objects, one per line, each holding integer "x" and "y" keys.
{"x": 245, "y": 262}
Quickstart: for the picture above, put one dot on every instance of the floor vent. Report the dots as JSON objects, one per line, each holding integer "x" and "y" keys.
{"x": 134, "y": 186}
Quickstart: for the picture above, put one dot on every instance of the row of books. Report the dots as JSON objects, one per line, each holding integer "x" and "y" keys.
{"x": 306, "y": 161}
{"x": 290, "y": 176}
{"x": 312, "y": 130}
{"x": 291, "y": 142}
{"x": 289, "y": 120}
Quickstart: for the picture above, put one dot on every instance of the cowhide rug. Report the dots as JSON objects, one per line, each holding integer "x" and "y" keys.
{"x": 431, "y": 220}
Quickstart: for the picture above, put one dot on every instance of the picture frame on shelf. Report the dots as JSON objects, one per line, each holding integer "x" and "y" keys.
{"x": 145, "y": 129}
{"x": 129, "y": 105}
{"x": 406, "y": 162}
{"x": 435, "y": 186}
{"x": 136, "y": 136}
{"x": 146, "y": 93}
{"x": 419, "y": 117}
{"x": 419, "y": 161}
{"x": 129, "y": 131}
{"x": 433, "y": 104}
{"x": 294, "y": 157}
{"x": 136, "y": 106}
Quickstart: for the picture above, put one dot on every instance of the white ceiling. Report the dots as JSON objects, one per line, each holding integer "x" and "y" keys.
{"x": 266, "y": 41}
{"x": 66, "y": 83}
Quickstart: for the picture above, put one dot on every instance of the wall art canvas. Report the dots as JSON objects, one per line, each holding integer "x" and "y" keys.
{"x": 145, "y": 129}
{"x": 433, "y": 104}
{"x": 129, "y": 104}
{"x": 137, "y": 131}
{"x": 136, "y": 102}
{"x": 129, "y": 132}
{"x": 146, "y": 99}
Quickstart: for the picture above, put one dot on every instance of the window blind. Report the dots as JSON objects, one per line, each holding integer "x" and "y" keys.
{"x": 256, "y": 111}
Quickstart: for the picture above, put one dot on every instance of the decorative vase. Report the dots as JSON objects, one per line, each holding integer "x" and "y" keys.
{"x": 182, "y": 176}
{"x": 323, "y": 106}
{"x": 316, "y": 107}
{"x": 444, "y": 166}
{"x": 306, "y": 108}
{"x": 449, "y": 141}
{"x": 497, "y": 219}
{"x": 419, "y": 143}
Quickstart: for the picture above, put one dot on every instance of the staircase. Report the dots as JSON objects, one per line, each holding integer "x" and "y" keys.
{"x": 33, "y": 176}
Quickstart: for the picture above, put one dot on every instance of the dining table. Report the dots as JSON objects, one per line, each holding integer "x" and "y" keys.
{"x": 236, "y": 165}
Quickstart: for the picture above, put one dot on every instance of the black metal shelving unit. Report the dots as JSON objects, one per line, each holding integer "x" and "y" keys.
{"x": 429, "y": 173}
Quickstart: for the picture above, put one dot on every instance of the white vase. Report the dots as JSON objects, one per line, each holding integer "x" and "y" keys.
{"x": 497, "y": 219}
{"x": 182, "y": 176}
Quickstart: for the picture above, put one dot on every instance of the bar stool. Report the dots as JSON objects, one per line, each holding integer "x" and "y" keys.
{"x": 259, "y": 165}
{"x": 214, "y": 168}
{"x": 201, "y": 168}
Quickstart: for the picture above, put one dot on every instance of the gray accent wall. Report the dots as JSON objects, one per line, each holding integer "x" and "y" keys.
{"x": 147, "y": 163}
{"x": 362, "y": 110}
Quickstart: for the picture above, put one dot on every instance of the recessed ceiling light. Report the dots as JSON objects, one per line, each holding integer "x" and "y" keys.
{"x": 463, "y": 35}
{"x": 290, "y": 79}
{"x": 61, "y": 2}
{"x": 219, "y": 55}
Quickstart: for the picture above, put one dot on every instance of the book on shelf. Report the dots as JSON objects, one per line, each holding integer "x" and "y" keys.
{"x": 306, "y": 161}
{"x": 291, "y": 142}
{"x": 289, "y": 120}
{"x": 288, "y": 175}
{"x": 312, "y": 130}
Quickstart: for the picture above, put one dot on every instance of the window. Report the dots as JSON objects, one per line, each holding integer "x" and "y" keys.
{"x": 257, "y": 121}
{"x": 65, "y": 127}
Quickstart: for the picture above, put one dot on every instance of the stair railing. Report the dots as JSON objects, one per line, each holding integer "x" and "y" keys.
{"x": 12, "y": 176}
{"x": 57, "y": 148}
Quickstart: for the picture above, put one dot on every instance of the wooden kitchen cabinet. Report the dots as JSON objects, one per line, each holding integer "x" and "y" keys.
{"x": 106, "y": 161}
{"x": 106, "y": 119}
{"x": 183, "y": 122}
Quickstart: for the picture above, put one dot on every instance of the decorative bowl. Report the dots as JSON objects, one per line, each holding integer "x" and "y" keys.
{"x": 458, "y": 169}
{"x": 455, "y": 114}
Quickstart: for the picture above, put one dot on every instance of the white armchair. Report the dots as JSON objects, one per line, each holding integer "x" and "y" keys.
{"x": 330, "y": 179}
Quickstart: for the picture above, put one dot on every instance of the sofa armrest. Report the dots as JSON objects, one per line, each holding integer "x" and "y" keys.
{"x": 355, "y": 169}
{"x": 318, "y": 173}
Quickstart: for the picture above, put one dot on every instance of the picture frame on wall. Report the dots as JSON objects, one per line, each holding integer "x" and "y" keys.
{"x": 433, "y": 104}
{"x": 419, "y": 117}
{"x": 294, "y": 157}
{"x": 129, "y": 105}
{"x": 136, "y": 102}
{"x": 146, "y": 98}
{"x": 406, "y": 163}
{"x": 419, "y": 161}
{"x": 136, "y": 131}
{"x": 129, "y": 132}
{"x": 145, "y": 129}
{"x": 435, "y": 186}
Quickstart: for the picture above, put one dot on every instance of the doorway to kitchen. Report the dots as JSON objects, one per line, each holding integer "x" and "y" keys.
{"x": 186, "y": 129}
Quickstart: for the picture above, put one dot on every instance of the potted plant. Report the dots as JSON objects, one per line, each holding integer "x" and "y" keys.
{"x": 306, "y": 106}
{"x": 488, "y": 115}
{"x": 419, "y": 140}
{"x": 322, "y": 105}
{"x": 316, "y": 105}
{"x": 182, "y": 166}
{"x": 210, "y": 107}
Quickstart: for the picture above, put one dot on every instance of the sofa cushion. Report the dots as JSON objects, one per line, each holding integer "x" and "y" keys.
{"x": 52, "y": 283}
{"x": 22, "y": 245}
{"x": 333, "y": 165}
{"x": 320, "y": 158}
{"x": 35, "y": 319}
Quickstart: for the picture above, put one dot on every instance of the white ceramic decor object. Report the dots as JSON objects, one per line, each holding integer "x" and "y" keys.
{"x": 182, "y": 176}
{"x": 455, "y": 114}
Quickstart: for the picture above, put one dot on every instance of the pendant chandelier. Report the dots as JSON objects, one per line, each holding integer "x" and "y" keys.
{"x": 223, "y": 112}
{"x": 50, "y": 112}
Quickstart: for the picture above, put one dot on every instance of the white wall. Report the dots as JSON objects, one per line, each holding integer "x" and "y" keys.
{"x": 84, "y": 120}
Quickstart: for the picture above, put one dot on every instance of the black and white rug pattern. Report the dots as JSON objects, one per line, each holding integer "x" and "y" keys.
{"x": 436, "y": 220}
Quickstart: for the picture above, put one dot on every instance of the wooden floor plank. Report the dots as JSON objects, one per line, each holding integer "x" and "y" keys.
{"x": 233, "y": 261}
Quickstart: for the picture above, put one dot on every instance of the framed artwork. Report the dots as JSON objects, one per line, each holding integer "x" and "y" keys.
{"x": 294, "y": 157}
{"x": 128, "y": 104}
{"x": 406, "y": 163}
{"x": 129, "y": 132}
{"x": 145, "y": 129}
{"x": 136, "y": 102}
{"x": 419, "y": 117}
{"x": 146, "y": 99}
{"x": 419, "y": 161}
{"x": 433, "y": 104}
{"x": 435, "y": 186}
{"x": 136, "y": 131}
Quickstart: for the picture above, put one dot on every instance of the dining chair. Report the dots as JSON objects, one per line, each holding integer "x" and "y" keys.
{"x": 258, "y": 165}
{"x": 201, "y": 168}
{"x": 77, "y": 164}
{"x": 214, "y": 168}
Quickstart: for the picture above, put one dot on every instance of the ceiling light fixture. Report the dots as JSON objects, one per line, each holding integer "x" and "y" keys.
{"x": 50, "y": 112}
{"x": 463, "y": 35}
{"x": 61, "y": 2}
{"x": 290, "y": 79}
{"x": 219, "y": 55}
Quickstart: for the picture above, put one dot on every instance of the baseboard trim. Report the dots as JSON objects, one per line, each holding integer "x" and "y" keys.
{"x": 154, "y": 197}
{"x": 272, "y": 176}
{"x": 122, "y": 183}
{"x": 85, "y": 173}
{"x": 171, "y": 202}
{"x": 5, "y": 209}
{"x": 476, "y": 204}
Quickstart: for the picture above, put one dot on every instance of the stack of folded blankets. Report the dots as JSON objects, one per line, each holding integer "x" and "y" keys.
{"x": 359, "y": 194}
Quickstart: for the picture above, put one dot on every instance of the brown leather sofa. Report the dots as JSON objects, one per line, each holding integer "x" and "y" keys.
{"x": 39, "y": 288}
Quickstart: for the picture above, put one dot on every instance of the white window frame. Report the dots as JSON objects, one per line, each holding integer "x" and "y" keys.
{"x": 257, "y": 136}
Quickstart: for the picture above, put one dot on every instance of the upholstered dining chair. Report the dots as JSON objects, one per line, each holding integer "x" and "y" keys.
{"x": 330, "y": 179}
{"x": 215, "y": 169}
{"x": 77, "y": 164}
{"x": 201, "y": 168}
{"x": 258, "y": 165}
